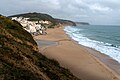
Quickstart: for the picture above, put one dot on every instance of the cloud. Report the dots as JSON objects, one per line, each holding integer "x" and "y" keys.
{"x": 54, "y": 4}
{"x": 98, "y": 7}
{"x": 78, "y": 10}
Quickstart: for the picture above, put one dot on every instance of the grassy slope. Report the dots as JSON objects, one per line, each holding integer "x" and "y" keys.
{"x": 20, "y": 59}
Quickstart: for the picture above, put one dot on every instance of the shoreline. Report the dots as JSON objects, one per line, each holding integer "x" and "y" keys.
{"x": 104, "y": 59}
{"x": 82, "y": 68}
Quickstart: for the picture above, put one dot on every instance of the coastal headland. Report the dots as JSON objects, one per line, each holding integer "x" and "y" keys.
{"x": 74, "y": 57}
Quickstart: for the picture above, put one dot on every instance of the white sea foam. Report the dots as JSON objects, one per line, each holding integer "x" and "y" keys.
{"x": 105, "y": 48}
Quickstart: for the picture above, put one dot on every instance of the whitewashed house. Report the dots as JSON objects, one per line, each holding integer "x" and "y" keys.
{"x": 31, "y": 26}
{"x": 32, "y": 29}
{"x": 44, "y": 22}
{"x": 14, "y": 18}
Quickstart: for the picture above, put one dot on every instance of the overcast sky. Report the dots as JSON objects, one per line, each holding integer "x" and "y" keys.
{"x": 92, "y": 11}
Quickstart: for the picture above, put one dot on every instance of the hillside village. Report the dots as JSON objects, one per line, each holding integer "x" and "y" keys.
{"x": 33, "y": 27}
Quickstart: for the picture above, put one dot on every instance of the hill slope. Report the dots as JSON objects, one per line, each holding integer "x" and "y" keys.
{"x": 66, "y": 22}
{"x": 40, "y": 16}
{"x": 35, "y": 16}
{"x": 20, "y": 59}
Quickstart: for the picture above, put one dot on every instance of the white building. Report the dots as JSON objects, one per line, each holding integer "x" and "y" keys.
{"x": 44, "y": 22}
{"x": 38, "y": 26}
{"x": 14, "y": 18}
{"x": 32, "y": 29}
{"x": 31, "y": 26}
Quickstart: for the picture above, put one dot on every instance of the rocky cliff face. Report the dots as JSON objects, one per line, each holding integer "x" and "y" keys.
{"x": 20, "y": 59}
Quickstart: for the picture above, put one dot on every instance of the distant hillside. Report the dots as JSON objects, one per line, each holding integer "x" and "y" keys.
{"x": 68, "y": 22}
{"x": 20, "y": 58}
{"x": 82, "y": 23}
{"x": 40, "y": 16}
{"x": 35, "y": 16}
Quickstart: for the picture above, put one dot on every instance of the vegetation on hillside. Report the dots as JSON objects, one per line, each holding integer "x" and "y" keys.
{"x": 20, "y": 59}
{"x": 35, "y": 16}
{"x": 40, "y": 16}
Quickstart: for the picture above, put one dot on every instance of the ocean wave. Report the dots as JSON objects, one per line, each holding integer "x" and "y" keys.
{"x": 106, "y": 48}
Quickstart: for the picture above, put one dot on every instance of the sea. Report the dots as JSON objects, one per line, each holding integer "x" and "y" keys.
{"x": 103, "y": 38}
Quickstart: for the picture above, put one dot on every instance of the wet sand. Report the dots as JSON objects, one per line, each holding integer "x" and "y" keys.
{"x": 85, "y": 63}
{"x": 44, "y": 43}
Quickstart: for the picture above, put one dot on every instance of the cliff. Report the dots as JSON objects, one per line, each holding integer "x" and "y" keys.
{"x": 20, "y": 59}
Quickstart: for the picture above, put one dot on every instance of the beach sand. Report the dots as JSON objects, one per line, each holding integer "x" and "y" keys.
{"x": 78, "y": 59}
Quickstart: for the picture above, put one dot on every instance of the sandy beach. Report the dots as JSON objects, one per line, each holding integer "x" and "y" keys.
{"x": 78, "y": 59}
